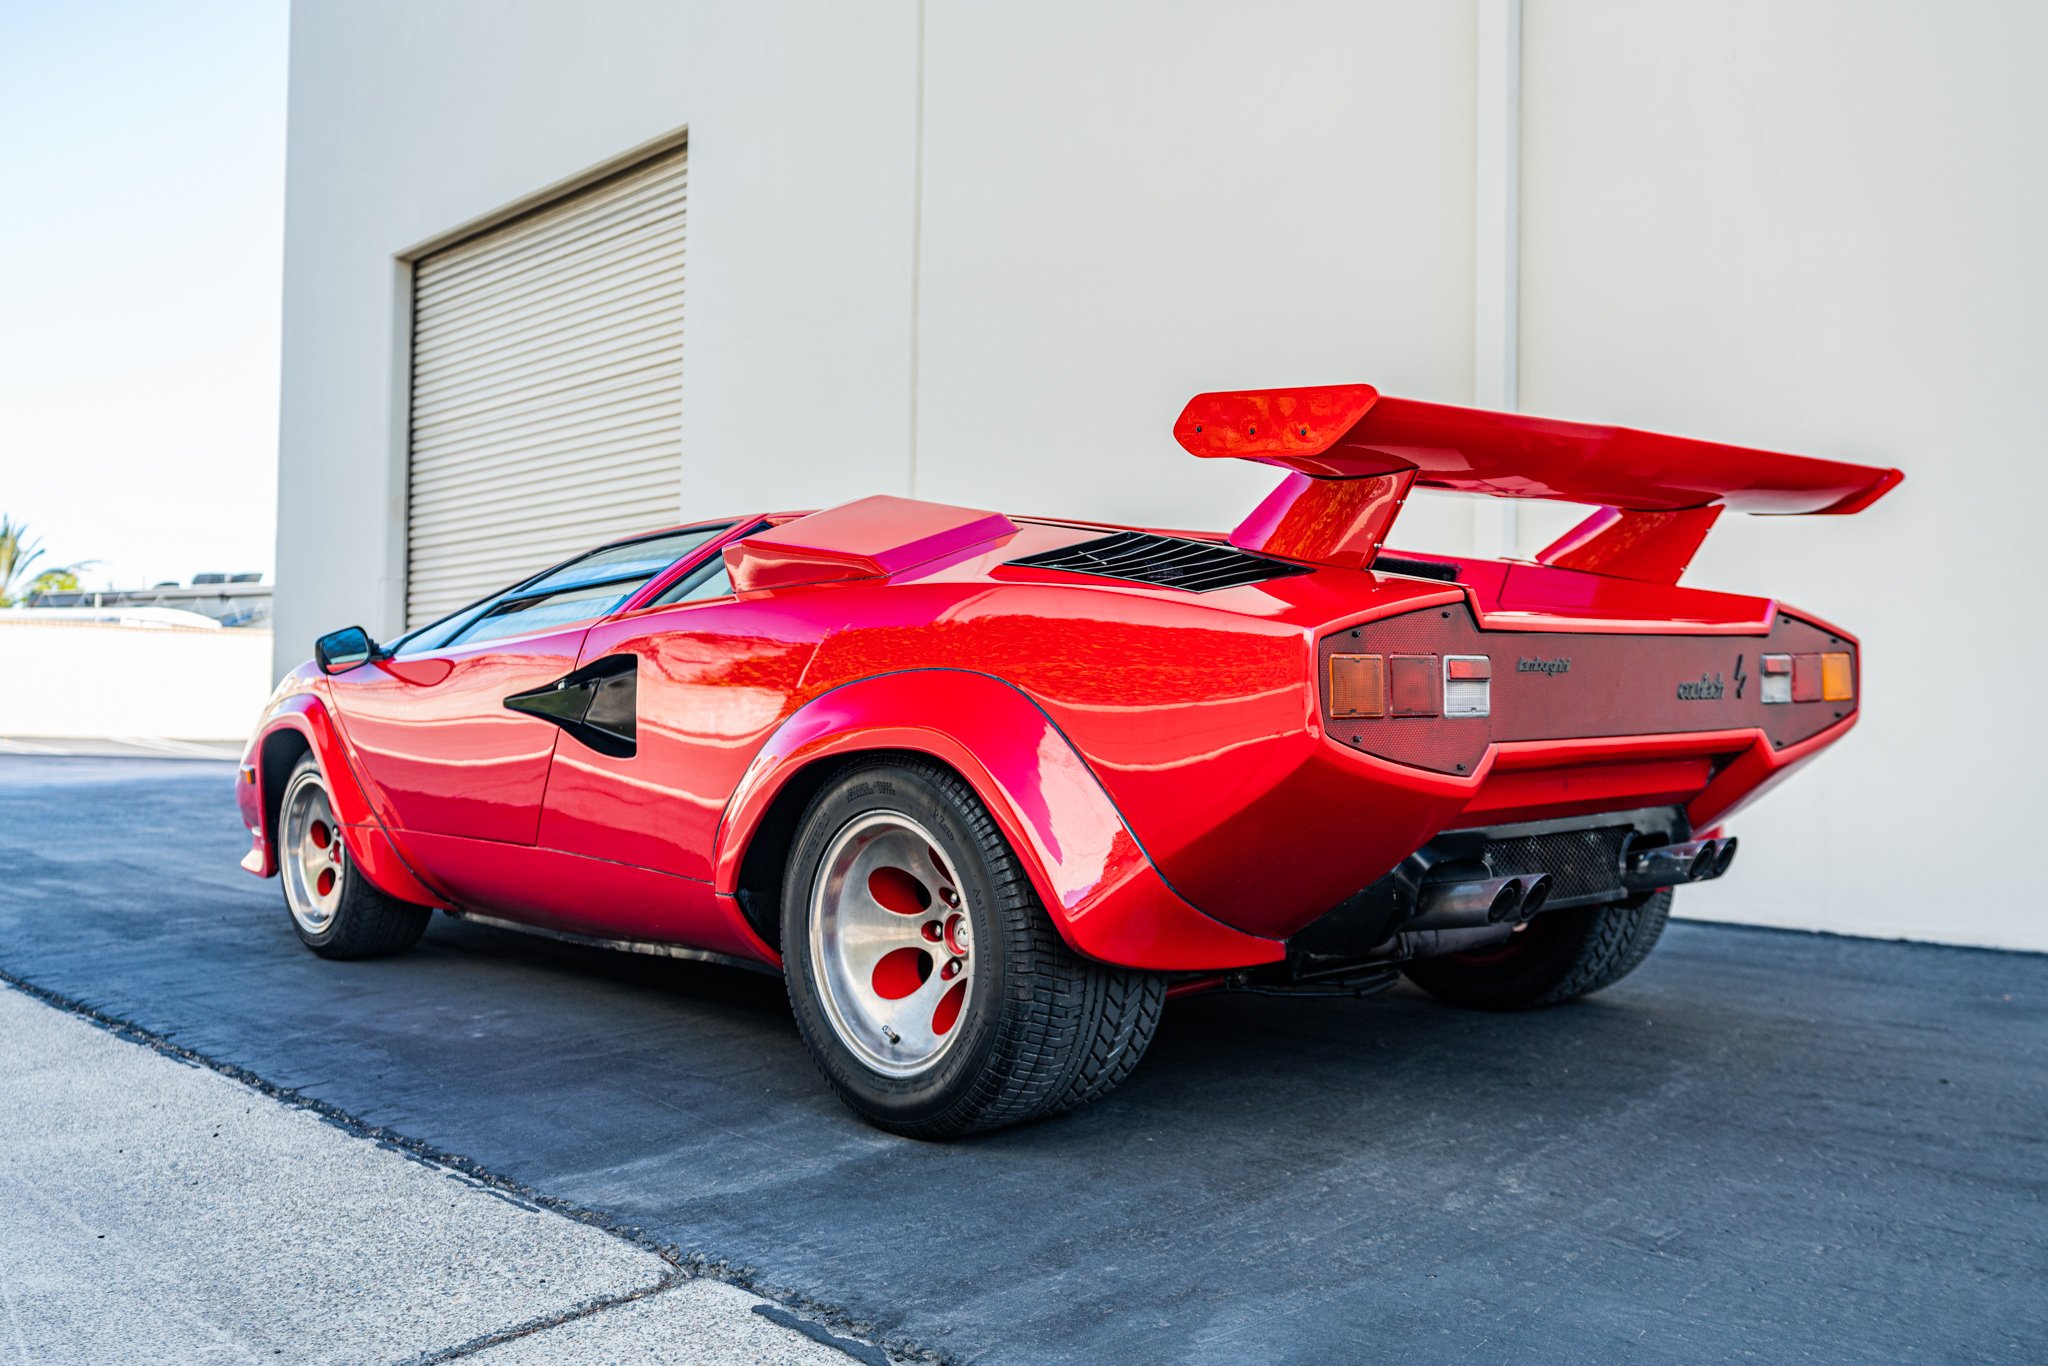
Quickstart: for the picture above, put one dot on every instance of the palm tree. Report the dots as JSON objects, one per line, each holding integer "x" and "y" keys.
{"x": 18, "y": 553}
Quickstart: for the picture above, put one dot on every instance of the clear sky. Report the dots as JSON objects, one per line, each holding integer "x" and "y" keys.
{"x": 141, "y": 255}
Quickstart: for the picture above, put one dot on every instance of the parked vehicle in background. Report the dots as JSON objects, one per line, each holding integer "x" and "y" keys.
{"x": 988, "y": 790}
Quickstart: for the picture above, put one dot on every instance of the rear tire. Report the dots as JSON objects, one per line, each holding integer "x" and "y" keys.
{"x": 334, "y": 909}
{"x": 926, "y": 979}
{"x": 1561, "y": 956}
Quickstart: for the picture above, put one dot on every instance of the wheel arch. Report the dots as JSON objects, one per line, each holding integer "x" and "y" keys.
{"x": 277, "y": 755}
{"x": 1098, "y": 885}
{"x": 299, "y": 726}
{"x": 765, "y": 856}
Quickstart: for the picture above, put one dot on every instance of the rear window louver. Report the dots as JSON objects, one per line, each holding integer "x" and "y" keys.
{"x": 1170, "y": 562}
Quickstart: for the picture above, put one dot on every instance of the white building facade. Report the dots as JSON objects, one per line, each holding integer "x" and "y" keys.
{"x": 558, "y": 272}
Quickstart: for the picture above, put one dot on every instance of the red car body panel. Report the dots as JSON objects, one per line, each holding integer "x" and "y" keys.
{"x": 445, "y": 757}
{"x": 1165, "y": 763}
{"x": 1104, "y": 894}
{"x": 297, "y": 720}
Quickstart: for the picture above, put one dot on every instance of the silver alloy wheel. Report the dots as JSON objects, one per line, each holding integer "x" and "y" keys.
{"x": 891, "y": 943}
{"x": 310, "y": 854}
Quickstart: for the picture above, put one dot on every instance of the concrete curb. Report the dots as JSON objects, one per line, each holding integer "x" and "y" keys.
{"x": 829, "y": 1324}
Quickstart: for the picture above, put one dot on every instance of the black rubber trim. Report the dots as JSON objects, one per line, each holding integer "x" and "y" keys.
{"x": 1384, "y": 563}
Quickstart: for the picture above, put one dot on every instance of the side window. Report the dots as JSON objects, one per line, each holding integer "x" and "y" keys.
{"x": 582, "y": 590}
{"x": 709, "y": 581}
{"x": 539, "y": 611}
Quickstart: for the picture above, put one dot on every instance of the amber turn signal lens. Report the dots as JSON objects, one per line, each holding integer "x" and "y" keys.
{"x": 1837, "y": 678}
{"x": 1358, "y": 685}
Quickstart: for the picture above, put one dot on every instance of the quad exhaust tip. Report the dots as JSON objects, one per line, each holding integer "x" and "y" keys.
{"x": 1515, "y": 900}
{"x": 1668, "y": 865}
{"x": 1491, "y": 901}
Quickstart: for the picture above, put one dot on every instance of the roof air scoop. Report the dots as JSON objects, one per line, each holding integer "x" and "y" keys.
{"x": 870, "y": 538}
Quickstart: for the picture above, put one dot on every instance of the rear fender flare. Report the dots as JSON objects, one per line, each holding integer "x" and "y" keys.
{"x": 1102, "y": 891}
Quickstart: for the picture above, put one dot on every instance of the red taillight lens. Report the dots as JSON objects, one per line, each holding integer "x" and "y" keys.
{"x": 1806, "y": 678}
{"x": 1412, "y": 683}
{"x": 1358, "y": 685}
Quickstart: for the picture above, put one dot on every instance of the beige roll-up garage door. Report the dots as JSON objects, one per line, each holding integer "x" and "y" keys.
{"x": 547, "y": 373}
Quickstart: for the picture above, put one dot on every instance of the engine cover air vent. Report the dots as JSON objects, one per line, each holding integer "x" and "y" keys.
{"x": 1414, "y": 568}
{"x": 1169, "y": 561}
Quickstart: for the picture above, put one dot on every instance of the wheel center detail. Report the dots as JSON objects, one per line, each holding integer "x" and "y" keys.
{"x": 959, "y": 935}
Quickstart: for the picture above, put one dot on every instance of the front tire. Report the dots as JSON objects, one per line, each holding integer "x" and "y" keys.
{"x": 1561, "y": 956}
{"x": 334, "y": 909}
{"x": 928, "y": 982}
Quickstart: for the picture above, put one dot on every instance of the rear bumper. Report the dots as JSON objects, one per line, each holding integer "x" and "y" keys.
{"x": 1708, "y": 773}
{"x": 1339, "y": 820}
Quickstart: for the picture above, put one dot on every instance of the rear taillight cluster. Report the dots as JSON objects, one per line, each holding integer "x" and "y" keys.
{"x": 1472, "y": 689}
{"x": 1374, "y": 686}
{"x": 1829, "y": 677}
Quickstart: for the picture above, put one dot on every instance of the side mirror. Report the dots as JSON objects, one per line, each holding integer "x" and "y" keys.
{"x": 339, "y": 651}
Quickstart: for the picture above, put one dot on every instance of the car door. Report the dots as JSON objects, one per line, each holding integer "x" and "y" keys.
{"x": 715, "y": 676}
{"x": 453, "y": 725}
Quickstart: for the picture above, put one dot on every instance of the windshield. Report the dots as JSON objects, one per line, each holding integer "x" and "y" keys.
{"x": 584, "y": 589}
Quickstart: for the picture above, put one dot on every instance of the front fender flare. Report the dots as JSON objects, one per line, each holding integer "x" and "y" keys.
{"x": 1105, "y": 896}
{"x": 370, "y": 850}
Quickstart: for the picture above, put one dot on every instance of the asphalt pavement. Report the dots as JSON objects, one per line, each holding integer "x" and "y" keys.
{"x": 1762, "y": 1144}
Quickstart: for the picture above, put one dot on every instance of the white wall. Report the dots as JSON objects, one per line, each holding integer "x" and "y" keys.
{"x": 409, "y": 120}
{"x": 983, "y": 252}
{"x": 87, "y": 680}
{"x": 1116, "y": 210}
{"x": 1127, "y": 204}
{"x": 1817, "y": 227}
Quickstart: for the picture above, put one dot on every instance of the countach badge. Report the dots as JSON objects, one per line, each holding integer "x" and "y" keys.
{"x": 1701, "y": 689}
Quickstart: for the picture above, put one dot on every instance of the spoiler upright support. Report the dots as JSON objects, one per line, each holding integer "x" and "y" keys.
{"x": 1353, "y": 454}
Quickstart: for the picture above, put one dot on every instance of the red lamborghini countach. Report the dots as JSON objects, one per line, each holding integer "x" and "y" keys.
{"x": 987, "y": 791}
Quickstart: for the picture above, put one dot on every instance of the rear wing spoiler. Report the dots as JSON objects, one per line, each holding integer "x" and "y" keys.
{"x": 1353, "y": 454}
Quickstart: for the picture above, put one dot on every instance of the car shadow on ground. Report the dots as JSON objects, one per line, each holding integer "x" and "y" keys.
{"x": 1223, "y": 1062}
